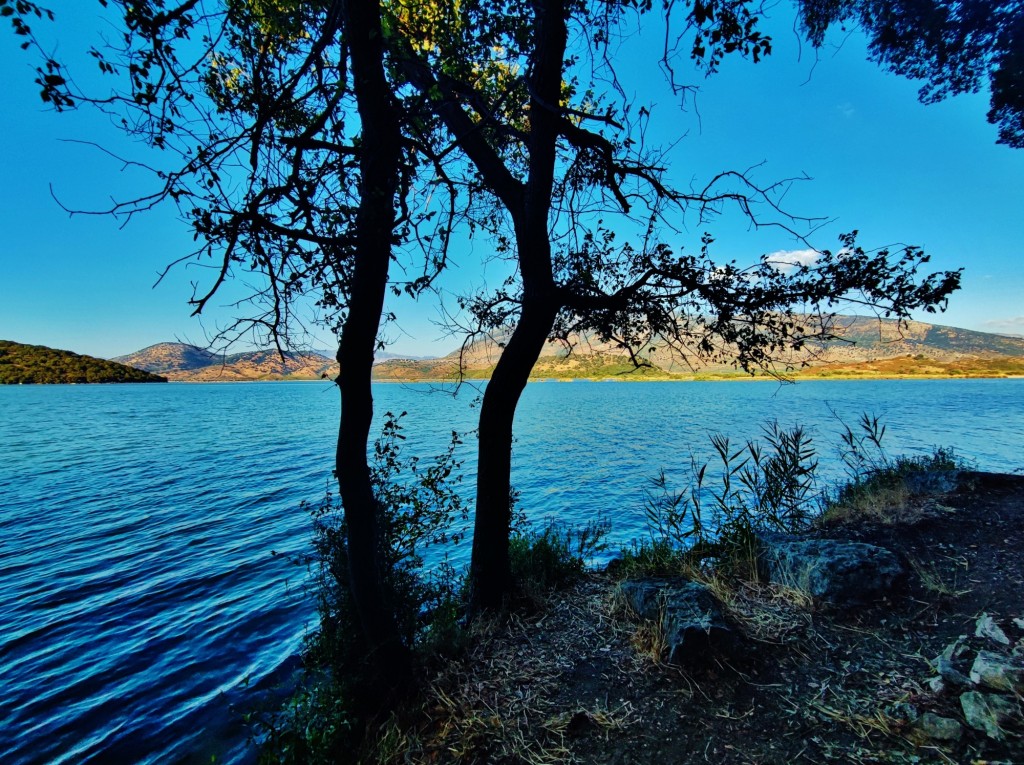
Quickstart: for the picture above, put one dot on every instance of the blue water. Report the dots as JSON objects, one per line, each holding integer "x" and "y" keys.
{"x": 141, "y": 604}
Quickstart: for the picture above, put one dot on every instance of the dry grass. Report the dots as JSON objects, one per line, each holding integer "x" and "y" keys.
{"x": 768, "y": 613}
{"x": 863, "y": 724}
{"x": 499, "y": 703}
{"x": 763, "y": 612}
{"x": 943, "y": 586}
{"x": 887, "y": 504}
{"x": 648, "y": 641}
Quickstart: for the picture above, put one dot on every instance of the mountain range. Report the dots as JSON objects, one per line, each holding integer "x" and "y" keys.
{"x": 868, "y": 347}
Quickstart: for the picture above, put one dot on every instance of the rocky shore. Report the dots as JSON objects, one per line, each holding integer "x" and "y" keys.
{"x": 897, "y": 640}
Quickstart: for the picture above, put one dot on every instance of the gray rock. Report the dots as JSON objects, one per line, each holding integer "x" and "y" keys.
{"x": 691, "y": 618}
{"x": 939, "y": 728}
{"x": 950, "y": 673}
{"x": 986, "y": 627}
{"x": 1000, "y": 673}
{"x": 937, "y": 685}
{"x": 957, "y": 648}
{"x": 987, "y": 712}
{"x": 842, "y": 573}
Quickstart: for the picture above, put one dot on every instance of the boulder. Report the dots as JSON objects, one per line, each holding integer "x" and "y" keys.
{"x": 1000, "y": 673}
{"x": 690, "y": 617}
{"x": 987, "y": 712}
{"x": 939, "y": 728}
{"x": 839, "y": 572}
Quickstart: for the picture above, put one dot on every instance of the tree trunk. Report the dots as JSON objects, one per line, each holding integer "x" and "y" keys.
{"x": 490, "y": 574}
{"x": 374, "y": 227}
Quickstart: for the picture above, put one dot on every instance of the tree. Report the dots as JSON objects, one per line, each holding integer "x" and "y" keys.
{"x": 380, "y": 178}
{"x": 555, "y": 156}
{"x": 290, "y": 153}
{"x": 956, "y": 47}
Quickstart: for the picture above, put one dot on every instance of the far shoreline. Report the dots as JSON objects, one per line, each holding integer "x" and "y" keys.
{"x": 622, "y": 379}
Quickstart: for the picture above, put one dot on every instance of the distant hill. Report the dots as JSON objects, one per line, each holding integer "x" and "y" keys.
{"x": 183, "y": 362}
{"x": 179, "y": 361}
{"x": 169, "y": 358}
{"x": 25, "y": 364}
{"x": 922, "y": 348}
{"x": 915, "y": 349}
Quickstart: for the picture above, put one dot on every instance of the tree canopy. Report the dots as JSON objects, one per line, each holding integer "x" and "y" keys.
{"x": 955, "y": 47}
{"x": 24, "y": 364}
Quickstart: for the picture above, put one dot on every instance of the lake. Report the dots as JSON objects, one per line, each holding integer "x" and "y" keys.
{"x": 142, "y": 608}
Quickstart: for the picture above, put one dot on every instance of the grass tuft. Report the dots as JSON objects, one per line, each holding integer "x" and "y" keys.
{"x": 554, "y": 556}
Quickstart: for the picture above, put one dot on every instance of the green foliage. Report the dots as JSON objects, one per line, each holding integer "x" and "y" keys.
{"x": 554, "y": 556}
{"x": 879, "y": 486}
{"x": 952, "y": 47}
{"x": 421, "y": 514}
{"x": 420, "y": 509}
{"x": 313, "y": 727}
{"x": 772, "y": 484}
{"x": 761, "y": 485}
{"x": 25, "y": 364}
{"x": 656, "y": 556}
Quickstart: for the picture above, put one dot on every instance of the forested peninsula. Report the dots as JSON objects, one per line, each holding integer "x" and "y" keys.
{"x": 28, "y": 364}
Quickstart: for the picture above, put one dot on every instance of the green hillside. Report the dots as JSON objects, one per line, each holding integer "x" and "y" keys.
{"x": 38, "y": 364}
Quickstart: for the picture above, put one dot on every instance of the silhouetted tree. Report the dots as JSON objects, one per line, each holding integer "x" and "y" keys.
{"x": 955, "y": 47}
{"x": 290, "y": 152}
{"x": 556, "y": 156}
{"x": 542, "y": 155}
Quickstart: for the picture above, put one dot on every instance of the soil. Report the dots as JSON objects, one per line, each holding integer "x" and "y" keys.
{"x": 582, "y": 682}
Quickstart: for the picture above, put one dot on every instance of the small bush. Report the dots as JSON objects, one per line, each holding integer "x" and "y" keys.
{"x": 554, "y": 556}
{"x": 421, "y": 513}
{"x": 879, "y": 487}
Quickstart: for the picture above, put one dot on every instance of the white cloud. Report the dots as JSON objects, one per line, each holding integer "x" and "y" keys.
{"x": 1012, "y": 325}
{"x": 788, "y": 260}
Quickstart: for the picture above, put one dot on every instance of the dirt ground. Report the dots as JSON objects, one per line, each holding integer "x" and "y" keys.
{"x": 579, "y": 681}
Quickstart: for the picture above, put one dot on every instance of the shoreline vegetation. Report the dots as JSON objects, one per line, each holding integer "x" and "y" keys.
{"x": 693, "y": 645}
{"x": 886, "y": 369}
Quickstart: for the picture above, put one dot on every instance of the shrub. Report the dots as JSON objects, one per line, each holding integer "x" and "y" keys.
{"x": 761, "y": 485}
{"x": 554, "y": 556}
{"x": 772, "y": 485}
{"x": 421, "y": 514}
{"x": 879, "y": 487}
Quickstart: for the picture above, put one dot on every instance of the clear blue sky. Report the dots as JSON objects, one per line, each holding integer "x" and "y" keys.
{"x": 881, "y": 162}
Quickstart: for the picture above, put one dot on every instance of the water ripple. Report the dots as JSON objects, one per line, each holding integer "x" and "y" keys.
{"x": 141, "y": 604}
